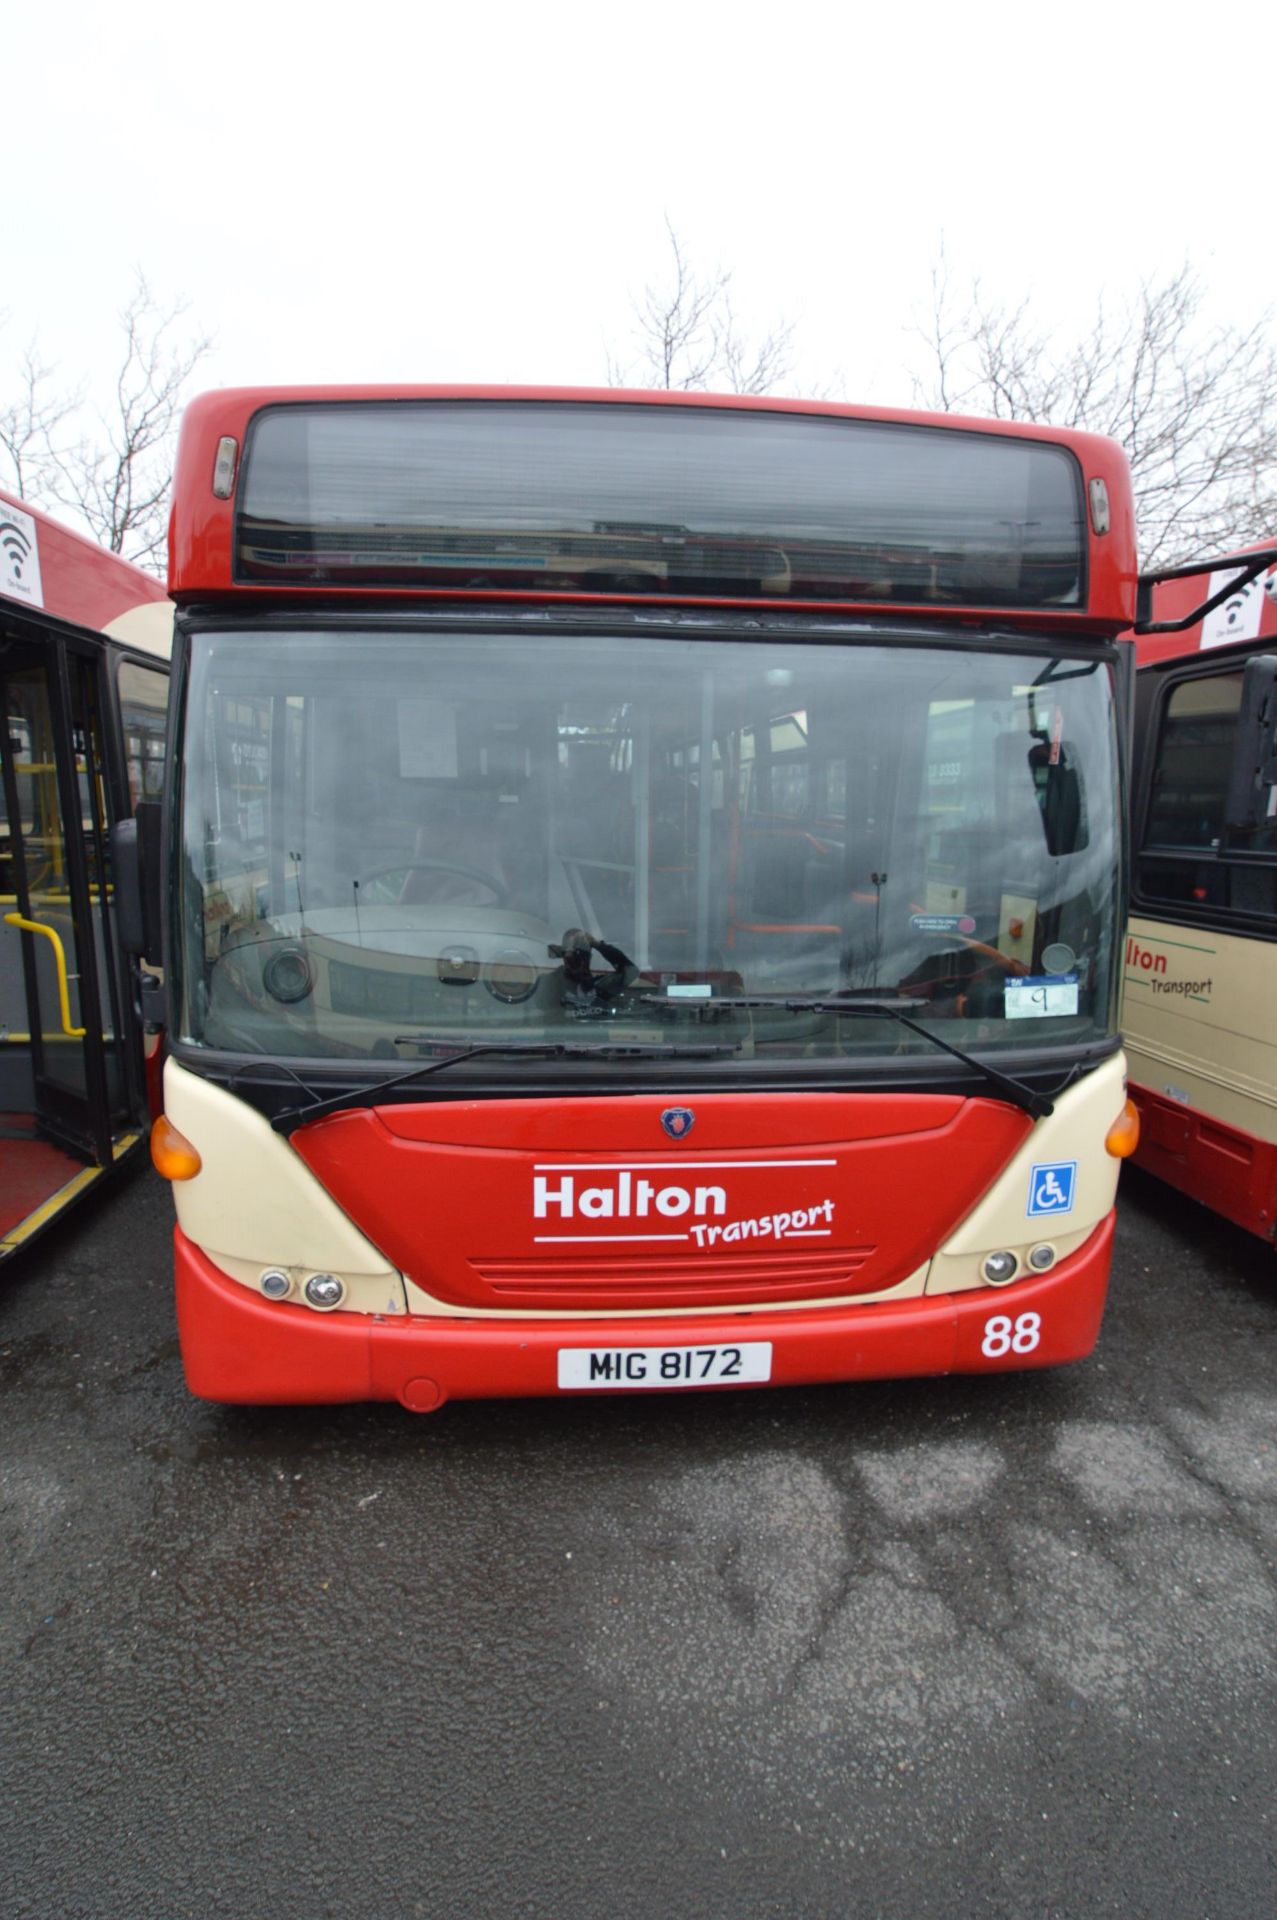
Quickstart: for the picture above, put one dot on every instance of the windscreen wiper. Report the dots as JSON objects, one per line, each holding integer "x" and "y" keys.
{"x": 888, "y": 1007}
{"x": 374, "y": 1091}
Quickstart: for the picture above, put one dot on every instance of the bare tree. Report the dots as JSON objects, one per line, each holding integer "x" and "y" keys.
{"x": 114, "y": 473}
{"x": 119, "y": 479}
{"x": 1194, "y": 404}
{"x": 30, "y": 426}
{"x": 686, "y": 337}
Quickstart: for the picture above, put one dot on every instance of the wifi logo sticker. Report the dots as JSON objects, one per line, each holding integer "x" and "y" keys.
{"x": 19, "y": 556}
{"x": 1238, "y": 617}
{"x": 1235, "y": 606}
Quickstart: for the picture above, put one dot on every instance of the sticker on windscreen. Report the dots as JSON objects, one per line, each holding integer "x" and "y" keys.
{"x": 942, "y": 923}
{"x": 1040, "y": 996}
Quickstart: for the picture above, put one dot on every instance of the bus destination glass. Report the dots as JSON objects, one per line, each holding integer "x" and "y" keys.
{"x": 682, "y": 502}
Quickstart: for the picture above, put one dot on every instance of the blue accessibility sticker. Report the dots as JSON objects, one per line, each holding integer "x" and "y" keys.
{"x": 1051, "y": 1188}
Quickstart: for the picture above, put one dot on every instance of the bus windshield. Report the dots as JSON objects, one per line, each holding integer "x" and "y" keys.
{"x": 399, "y": 841}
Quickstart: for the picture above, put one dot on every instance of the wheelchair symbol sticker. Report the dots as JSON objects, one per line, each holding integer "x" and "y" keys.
{"x": 1051, "y": 1188}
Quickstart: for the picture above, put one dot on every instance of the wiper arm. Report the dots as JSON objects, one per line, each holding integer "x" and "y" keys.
{"x": 374, "y": 1091}
{"x": 862, "y": 1007}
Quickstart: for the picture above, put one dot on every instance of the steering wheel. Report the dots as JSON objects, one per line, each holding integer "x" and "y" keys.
{"x": 496, "y": 887}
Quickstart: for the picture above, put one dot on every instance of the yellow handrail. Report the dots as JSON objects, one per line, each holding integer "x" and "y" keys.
{"x": 59, "y": 951}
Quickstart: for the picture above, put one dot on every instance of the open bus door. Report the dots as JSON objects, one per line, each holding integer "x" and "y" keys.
{"x": 69, "y": 1092}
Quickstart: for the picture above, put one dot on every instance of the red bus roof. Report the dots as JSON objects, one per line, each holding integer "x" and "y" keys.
{"x": 46, "y": 567}
{"x": 1248, "y": 615}
{"x": 202, "y": 530}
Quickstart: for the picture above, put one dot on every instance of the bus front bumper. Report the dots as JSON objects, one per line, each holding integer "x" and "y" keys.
{"x": 239, "y": 1348}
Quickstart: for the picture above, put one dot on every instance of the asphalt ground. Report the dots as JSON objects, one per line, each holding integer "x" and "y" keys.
{"x": 935, "y": 1648}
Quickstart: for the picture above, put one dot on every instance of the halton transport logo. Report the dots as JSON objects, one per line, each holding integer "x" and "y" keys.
{"x": 1147, "y": 968}
{"x": 638, "y": 1202}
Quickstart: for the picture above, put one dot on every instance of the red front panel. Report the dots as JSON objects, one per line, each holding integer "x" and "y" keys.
{"x": 1225, "y": 1169}
{"x": 239, "y": 1348}
{"x": 560, "y": 1206}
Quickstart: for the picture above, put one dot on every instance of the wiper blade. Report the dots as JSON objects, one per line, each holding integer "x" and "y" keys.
{"x": 374, "y": 1091}
{"x": 891, "y": 1007}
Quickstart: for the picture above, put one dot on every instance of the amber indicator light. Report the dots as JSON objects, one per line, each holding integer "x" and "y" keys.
{"x": 1124, "y": 1135}
{"x": 172, "y": 1152}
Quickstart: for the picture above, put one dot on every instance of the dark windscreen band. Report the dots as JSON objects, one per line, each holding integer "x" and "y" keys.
{"x": 687, "y": 502}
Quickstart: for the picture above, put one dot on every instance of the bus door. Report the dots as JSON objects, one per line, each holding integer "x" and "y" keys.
{"x": 64, "y": 1092}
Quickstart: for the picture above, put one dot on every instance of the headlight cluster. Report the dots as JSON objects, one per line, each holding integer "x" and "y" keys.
{"x": 1000, "y": 1268}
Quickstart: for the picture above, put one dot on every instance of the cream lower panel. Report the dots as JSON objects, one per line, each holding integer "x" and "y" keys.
{"x": 1215, "y": 1093}
{"x": 1197, "y": 1014}
{"x": 255, "y": 1203}
{"x": 147, "y": 628}
{"x": 1075, "y": 1131}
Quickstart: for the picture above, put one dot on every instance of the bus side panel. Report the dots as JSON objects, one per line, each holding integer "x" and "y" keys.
{"x": 1222, "y": 1167}
{"x": 1202, "y": 1052}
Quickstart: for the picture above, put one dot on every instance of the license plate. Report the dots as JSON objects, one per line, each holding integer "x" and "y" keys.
{"x": 714, "y": 1366}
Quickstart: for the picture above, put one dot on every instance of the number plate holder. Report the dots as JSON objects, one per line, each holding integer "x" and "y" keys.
{"x": 718, "y": 1364}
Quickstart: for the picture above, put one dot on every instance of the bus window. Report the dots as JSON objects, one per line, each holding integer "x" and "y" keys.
{"x": 143, "y": 696}
{"x": 1187, "y": 855}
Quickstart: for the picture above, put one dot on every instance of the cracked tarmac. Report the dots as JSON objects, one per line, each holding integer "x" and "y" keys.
{"x": 931, "y": 1648}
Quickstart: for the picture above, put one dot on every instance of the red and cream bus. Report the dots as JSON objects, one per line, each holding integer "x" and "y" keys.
{"x": 1200, "y": 966}
{"x": 84, "y": 644}
{"x": 645, "y": 892}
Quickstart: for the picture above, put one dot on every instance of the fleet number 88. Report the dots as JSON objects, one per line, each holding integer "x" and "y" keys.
{"x": 1004, "y": 1335}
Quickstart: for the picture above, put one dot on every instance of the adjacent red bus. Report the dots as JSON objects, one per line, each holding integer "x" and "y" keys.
{"x": 1201, "y": 950}
{"x": 645, "y": 892}
{"x": 84, "y": 642}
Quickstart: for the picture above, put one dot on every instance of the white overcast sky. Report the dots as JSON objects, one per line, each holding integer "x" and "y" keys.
{"x": 377, "y": 191}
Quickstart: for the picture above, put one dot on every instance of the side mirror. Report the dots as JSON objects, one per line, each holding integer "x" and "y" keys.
{"x": 137, "y": 866}
{"x": 1251, "y": 796}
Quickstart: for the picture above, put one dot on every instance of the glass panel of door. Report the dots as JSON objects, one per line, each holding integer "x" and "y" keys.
{"x": 59, "y": 991}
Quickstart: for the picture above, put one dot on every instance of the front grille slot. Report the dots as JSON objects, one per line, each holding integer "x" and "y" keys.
{"x": 626, "y": 1280}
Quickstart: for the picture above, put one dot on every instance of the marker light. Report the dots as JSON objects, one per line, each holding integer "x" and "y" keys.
{"x": 999, "y": 1268}
{"x": 224, "y": 467}
{"x": 276, "y": 1284}
{"x": 325, "y": 1290}
{"x": 1040, "y": 1258}
{"x": 1100, "y": 517}
{"x": 1124, "y": 1135}
{"x": 172, "y": 1152}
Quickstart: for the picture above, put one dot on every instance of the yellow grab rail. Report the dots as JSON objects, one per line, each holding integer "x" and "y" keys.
{"x": 59, "y": 952}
